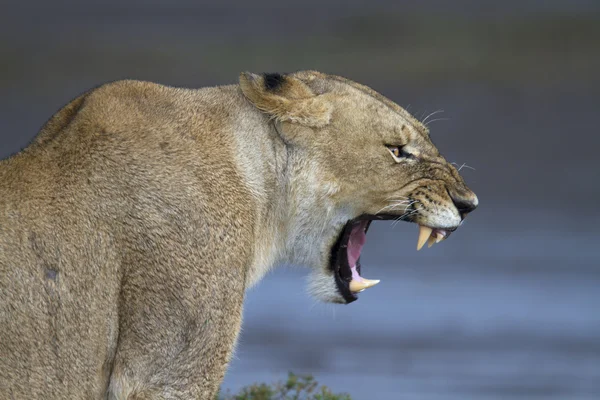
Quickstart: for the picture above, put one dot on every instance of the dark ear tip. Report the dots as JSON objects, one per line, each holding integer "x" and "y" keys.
{"x": 273, "y": 81}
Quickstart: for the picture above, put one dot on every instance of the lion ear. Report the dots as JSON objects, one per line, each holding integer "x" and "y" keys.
{"x": 286, "y": 99}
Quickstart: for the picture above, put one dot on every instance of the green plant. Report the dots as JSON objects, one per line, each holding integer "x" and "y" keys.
{"x": 296, "y": 387}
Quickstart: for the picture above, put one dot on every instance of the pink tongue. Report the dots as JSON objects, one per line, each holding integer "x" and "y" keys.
{"x": 356, "y": 242}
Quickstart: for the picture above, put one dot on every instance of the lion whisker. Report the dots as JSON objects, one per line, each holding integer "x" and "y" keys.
{"x": 396, "y": 204}
{"x": 406, "y": 214}
{"x": 464, "y": 165}
{"x": 434, "y": 120}
{"x": 431, "y": 115}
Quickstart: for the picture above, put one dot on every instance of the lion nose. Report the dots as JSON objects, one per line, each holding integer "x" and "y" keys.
{"x": 464, "y": 200}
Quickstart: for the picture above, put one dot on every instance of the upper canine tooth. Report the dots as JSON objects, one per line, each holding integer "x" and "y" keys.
{"x": 424, "y": 233}
{"x": 431, "y": 241}
{"x": 359, "y": 286}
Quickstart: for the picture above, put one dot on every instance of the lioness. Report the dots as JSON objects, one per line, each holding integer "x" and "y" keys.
{"x": 133, "y": 224}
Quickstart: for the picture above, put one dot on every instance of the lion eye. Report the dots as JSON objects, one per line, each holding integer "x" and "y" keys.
{"x": 399, "y": 153}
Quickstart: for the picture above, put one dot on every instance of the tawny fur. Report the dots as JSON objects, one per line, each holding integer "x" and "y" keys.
{"x": 132, "y": 226}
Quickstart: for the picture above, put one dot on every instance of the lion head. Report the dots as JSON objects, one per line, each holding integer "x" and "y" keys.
{"x": 354, "y": 156}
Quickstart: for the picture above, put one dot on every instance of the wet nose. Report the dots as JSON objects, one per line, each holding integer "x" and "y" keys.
{"x": 464, "y": 200}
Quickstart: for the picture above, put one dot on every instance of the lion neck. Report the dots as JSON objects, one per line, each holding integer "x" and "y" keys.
{"x": 298, "y": 219}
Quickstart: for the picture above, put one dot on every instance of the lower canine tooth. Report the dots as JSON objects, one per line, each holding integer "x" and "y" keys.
{"x": 359, "y": 286}
{"x": 424, "y": 233}
{"x": 439, "y": 238}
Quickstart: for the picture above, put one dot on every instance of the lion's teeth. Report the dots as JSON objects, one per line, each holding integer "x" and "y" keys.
{"x": 371, "y": 282}
{"x": 431, "y": 241}
{"x": 424, "y": 233}
{"x": 359, "y": 286}
{"x": 440, "y": 237}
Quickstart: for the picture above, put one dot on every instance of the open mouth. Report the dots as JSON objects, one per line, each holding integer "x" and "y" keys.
{"x": 345, "y": 253}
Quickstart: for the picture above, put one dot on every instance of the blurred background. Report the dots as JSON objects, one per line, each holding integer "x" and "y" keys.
{"x": 509, "y": 307}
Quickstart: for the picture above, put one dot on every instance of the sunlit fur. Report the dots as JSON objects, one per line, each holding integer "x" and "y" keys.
{"x": 336, "y": 170}
{"x": 132, "y": 226}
